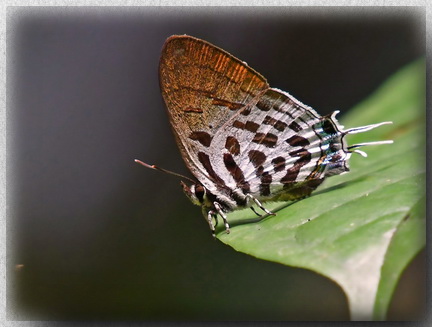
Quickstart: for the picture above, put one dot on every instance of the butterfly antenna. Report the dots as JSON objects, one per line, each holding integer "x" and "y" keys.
{"x": 164, "y": 170}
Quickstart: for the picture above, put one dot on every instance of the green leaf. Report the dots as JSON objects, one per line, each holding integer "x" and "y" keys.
{"x": 359, "y": 229}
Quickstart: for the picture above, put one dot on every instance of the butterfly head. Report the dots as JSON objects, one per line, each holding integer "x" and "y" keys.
{"x": 197, "y": 193}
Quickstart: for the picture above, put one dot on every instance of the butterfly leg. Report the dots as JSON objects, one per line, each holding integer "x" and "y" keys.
{"x": 253, "y": 209}
{"x": 258, "y": 203}
{"x": 222, "y": 214}
{"x": 210, "y": 215}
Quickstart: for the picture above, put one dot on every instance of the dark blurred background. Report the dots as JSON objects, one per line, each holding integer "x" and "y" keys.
{"x": 94, "y": 236}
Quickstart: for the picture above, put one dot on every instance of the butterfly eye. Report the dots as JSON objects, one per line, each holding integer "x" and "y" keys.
{"x": 199, "y": 192}
{"x": 191, "y": 192}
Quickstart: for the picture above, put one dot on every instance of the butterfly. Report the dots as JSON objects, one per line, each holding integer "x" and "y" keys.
{"x": 245, "y": 142}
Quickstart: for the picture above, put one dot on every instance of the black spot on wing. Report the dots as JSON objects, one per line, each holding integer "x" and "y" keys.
{"x": 256, "y": 157}
{"x": 203, "y": 137}
{"x": 328, "y": 127}
{"x": 235, "y": 172}
{"x": 249, "y": 125}
{"x": 294, "y": 126}
{"x": 278, "y": 164}
{"x": 297, "y": 140}
{"x": 264, "y": 105}
{"x": 293, "y": 171}
{"x": 268, "y": 139}
{"x": 232, "y": 145}
{"x": 204, "y": 159}
{"x": 277, "y": 124}
{"x": 266, "y": 180}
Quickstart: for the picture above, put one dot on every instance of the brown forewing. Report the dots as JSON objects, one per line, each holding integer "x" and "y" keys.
{"x": 203, "y": 86}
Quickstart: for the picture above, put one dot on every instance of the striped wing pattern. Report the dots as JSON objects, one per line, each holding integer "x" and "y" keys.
{"x": 276, "y": 146}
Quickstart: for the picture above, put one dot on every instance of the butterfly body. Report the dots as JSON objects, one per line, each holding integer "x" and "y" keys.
{"x": 244, "y": 142}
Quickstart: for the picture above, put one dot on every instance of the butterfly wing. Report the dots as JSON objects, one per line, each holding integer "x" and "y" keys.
{"x": 278, "y": 150}
{"x": 203, "y": 87}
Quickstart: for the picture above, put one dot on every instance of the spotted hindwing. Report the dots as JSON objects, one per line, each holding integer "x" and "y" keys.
{"x": 275, "y": 148}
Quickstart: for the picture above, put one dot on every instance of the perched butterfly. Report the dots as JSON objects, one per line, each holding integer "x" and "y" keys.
{"x": 244, "y": 142}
